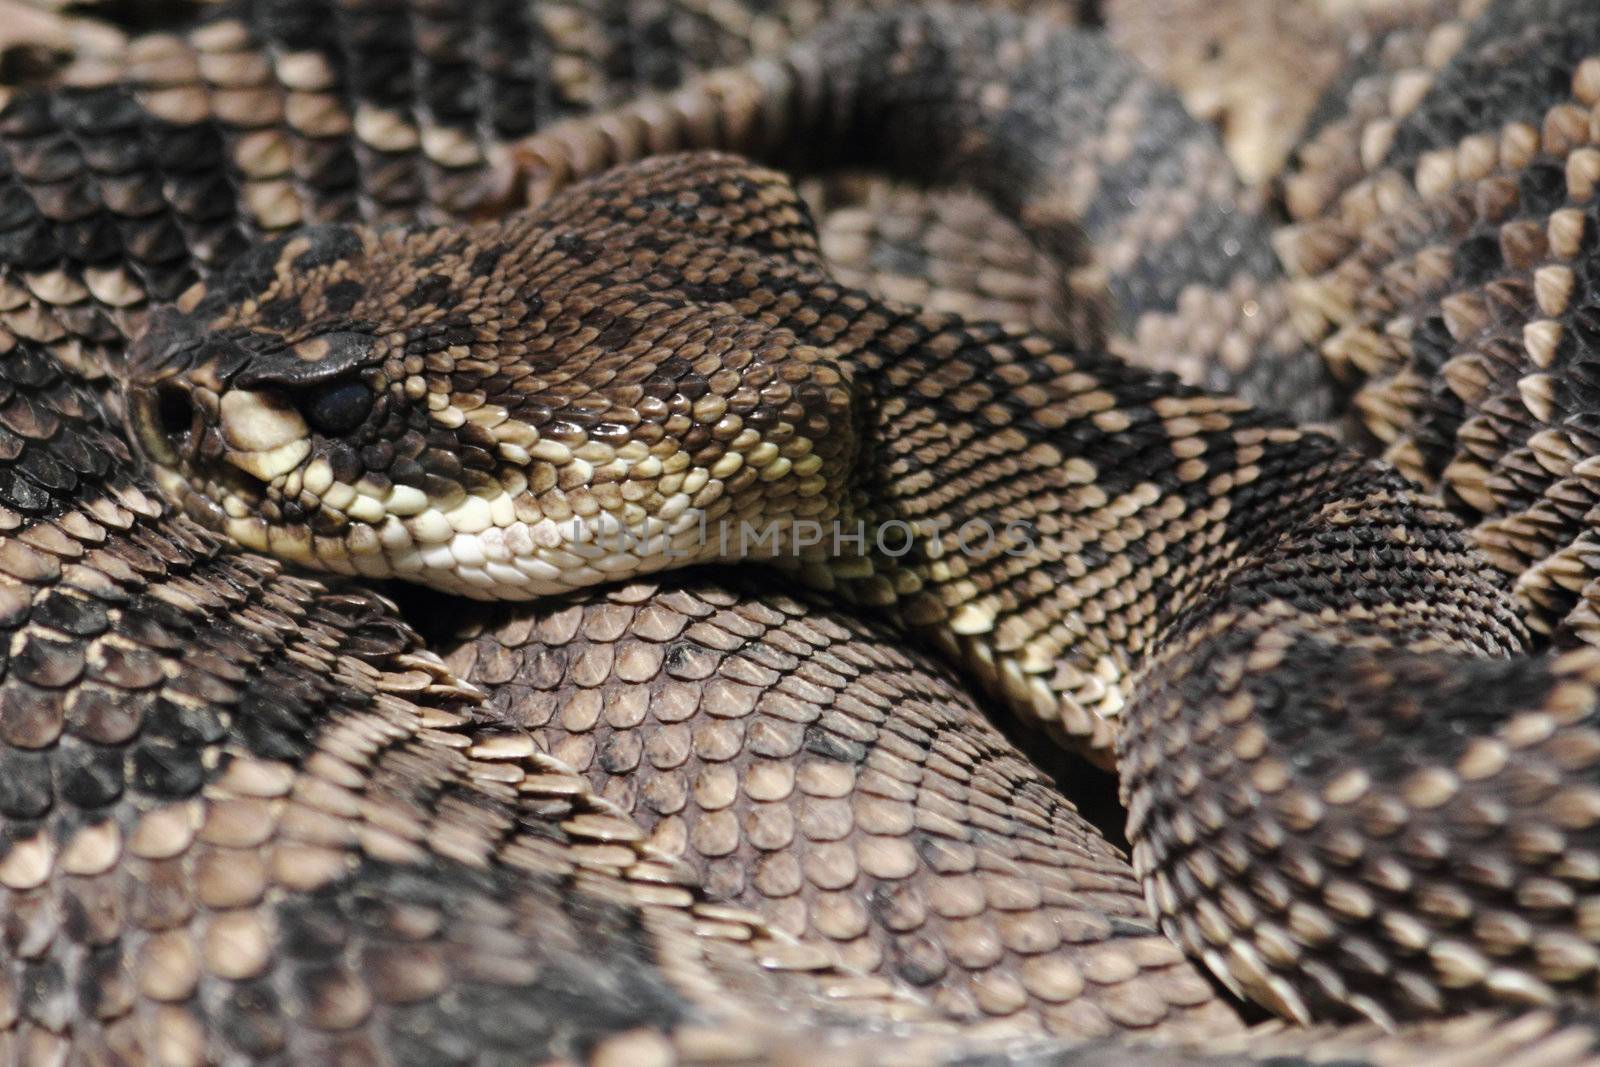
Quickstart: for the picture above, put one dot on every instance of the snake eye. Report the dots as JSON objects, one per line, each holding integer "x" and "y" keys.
{"x": 338, "y": 407}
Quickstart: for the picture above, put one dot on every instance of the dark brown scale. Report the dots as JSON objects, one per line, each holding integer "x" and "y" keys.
{"x": 378, "y": 456}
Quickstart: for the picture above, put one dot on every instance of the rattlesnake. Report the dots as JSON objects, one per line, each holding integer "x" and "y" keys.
{"x": 252, "y": 818}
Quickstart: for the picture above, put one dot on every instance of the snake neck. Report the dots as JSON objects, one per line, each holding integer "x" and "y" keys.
{"x": 1048, "y": 518}
{"x": 980, "y": 520}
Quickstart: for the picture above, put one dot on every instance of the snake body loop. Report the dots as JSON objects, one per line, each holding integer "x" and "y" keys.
{"x": 793, "y": 577}
{"x": 1294, "y": 606}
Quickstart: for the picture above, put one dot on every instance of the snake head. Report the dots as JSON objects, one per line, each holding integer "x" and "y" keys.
{"x": 504, "y": 411}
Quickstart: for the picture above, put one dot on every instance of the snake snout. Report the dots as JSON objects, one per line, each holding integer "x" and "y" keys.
{"x": 165, "y": 416}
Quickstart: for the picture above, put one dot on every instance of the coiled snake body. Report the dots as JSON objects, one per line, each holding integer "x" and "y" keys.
{"x": 753, "y": 811}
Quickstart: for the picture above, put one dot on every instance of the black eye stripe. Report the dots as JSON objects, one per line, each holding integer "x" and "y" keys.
{"x": 338, "y": 407}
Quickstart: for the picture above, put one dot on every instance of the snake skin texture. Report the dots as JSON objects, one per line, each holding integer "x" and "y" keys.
{"x": 1470, "y": 347}
{"x": 115, "y": 203}
{"x": 810, "y": 769}
{"x": 1273, "y": 558}
{"x": 274, "y": 114}
{"x": 1182, "y": 276}
{"x": 235, "y": 798}
{"x": 1265, "y": 73}
{"x": 1444, "y": 285}
{"x": 311, "y": 839}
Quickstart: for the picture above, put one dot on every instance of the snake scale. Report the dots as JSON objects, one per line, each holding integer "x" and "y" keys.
{"x": 793, "y": 810}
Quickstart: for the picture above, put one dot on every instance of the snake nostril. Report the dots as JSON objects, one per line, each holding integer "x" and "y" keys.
{"x": 174, "y": 413}
{"x": 163, "y": 419}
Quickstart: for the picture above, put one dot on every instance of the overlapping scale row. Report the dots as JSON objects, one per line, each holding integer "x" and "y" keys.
{"x": 1268, "y": 72}
{"x": 1339, "y": 848}
{"x": 1451, "y": 285}
{"x": 804, "y": 764}
{"x": 159, "y": 162}
{"x": 1352, "y": 128}
{"x": 946, "y": 251}
{"x": 1157, "y": 248}
{"x": 105, "y": 209}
